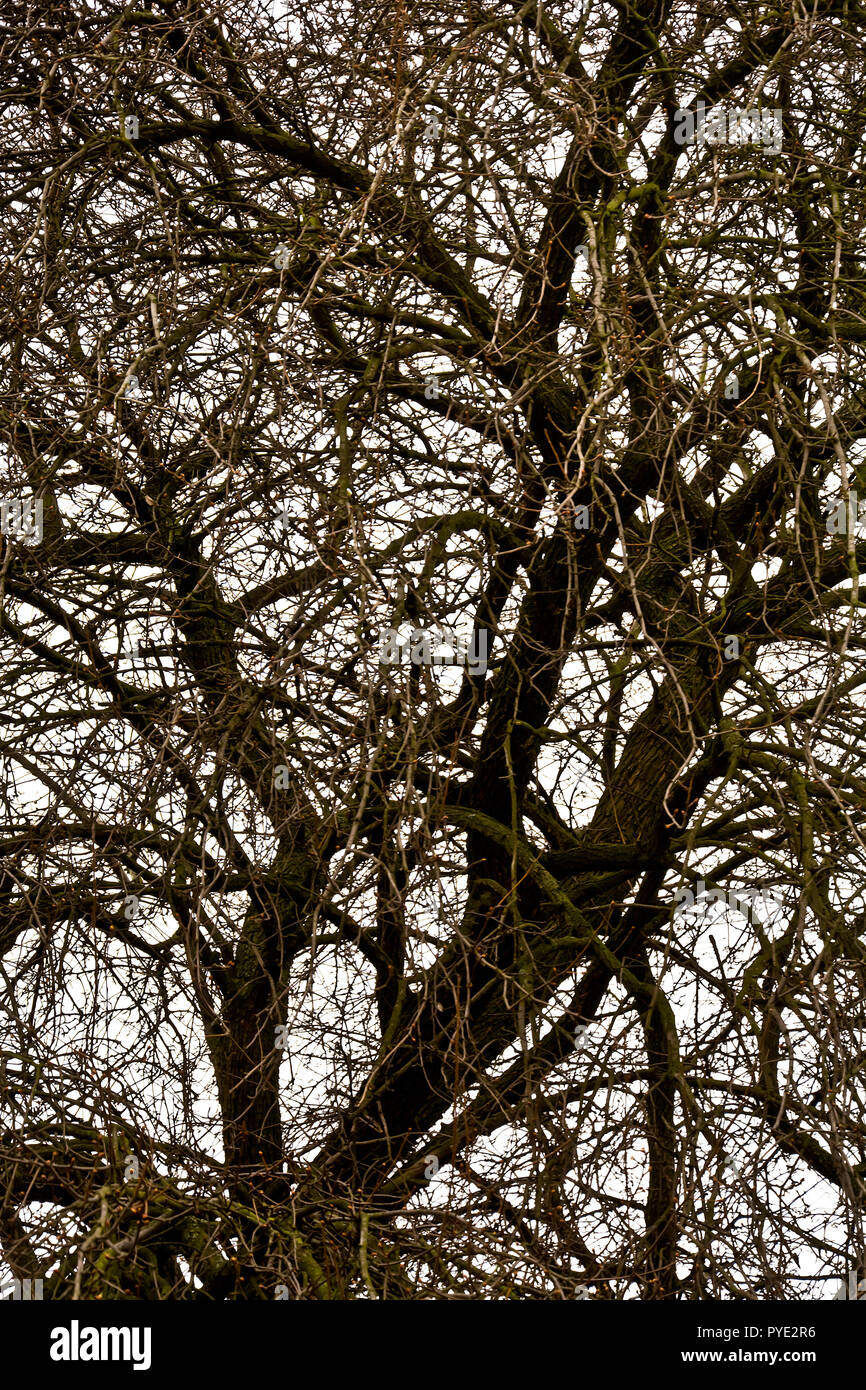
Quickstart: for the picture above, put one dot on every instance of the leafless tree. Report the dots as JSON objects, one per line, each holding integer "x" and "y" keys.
{"x": 339, "y": 339}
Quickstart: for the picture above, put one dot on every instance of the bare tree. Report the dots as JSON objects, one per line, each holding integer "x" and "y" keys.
{"x": 432, "y": 853}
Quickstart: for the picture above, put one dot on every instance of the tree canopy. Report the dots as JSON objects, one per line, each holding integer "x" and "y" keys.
{"x": 432, "y": 736}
